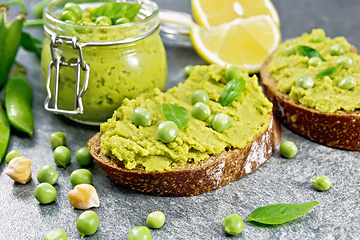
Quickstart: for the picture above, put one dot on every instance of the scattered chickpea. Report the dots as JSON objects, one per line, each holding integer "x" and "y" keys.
{"x": 19, "y": 170}
{"x": 83, "y": 196}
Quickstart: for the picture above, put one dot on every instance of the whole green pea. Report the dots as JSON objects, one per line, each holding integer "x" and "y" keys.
{"x": 220, "y": 122}
{"x": 80, "y": 176}
{"x": 233, "y": 224}
{"x": 122, "y": 20}
{"x": 337, "y": 49}
{"x": 139, "y": 233}
{"x": 56, "y": 234}
{"x": 11, "y": 155}
{"x": 188, "y": 69}
{"x": 344, "y": 61}
{"x": 305, "y": 82}
{"x": 347, "y": 83}
{"x": 288, "y": 149}
{"x": 87, "y": 223}
{"x": 83, "y": 156}
{"x": 290, "y": 50}
{"x": 103, "y": 19}
{"x": 57, "y": 139}
{"x": 141, "y": 117}
{"x": 321, "y": 182}
{"x": 47, "y": 173}
{"x": 232, "y": 72}
{"x": 318, "y": 38}
{"x": 68, "y": 15}
{"x": 167, "y": 131}
{"x": 45, "y": 193}
{"x": 62, "y": 156}
{"x": 155, "y": 219}
{"x": 75, "y": 8}
{"x": 199, "y": 96}
{"x": 315, "y": 61}
{"x": 201, "y": 111}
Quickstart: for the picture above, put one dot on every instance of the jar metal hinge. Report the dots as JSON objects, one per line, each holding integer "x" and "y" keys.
{"x": 57, "y": 63}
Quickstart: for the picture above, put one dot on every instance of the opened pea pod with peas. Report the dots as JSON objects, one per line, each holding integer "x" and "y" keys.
{"x": 15, "y": 110}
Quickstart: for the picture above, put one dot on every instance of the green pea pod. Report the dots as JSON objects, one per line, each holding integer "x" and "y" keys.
{"x": 11, "y": 46}
{"x": 18, "y": 97}
{"x": 4, "y": 133}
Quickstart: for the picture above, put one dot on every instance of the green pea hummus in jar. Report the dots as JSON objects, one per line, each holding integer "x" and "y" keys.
{"x": 117, "y": 71}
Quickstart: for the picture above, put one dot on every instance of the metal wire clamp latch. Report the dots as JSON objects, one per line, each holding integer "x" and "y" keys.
{"x": 57, "y": 63}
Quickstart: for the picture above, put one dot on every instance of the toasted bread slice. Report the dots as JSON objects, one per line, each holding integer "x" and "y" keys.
{"x": 193, "y": 178}
{"x": 340, "y": 129}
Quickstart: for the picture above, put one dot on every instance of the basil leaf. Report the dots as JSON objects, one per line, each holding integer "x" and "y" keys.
{"x": 309, "y": 52}
{"x": 328, "y": 72}
{"x": 231, "y": 91}
{"x": 117, "y": 10}
{"x": 31, "y": 44}
{"x": 179, "y": 115}
{"x": 280, "y": 213}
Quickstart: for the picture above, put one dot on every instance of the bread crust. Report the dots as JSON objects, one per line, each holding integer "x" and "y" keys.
{"x": 340, "y": 129}
{"x": 193, "y": 178}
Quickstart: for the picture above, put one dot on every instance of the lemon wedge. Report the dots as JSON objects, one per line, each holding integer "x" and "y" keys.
{"x": 242, "y": 42}
{"x": 212, "y": 13}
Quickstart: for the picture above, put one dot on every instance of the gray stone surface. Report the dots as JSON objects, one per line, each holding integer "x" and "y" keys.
{"x": 198, "y": 217}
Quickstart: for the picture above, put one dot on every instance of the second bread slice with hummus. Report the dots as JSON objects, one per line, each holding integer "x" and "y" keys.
{"x": 339, "y": 129}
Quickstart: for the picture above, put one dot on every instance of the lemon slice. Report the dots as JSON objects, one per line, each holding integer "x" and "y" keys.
{"x": 212, "y": 13}
{"x": 242, "y": 42}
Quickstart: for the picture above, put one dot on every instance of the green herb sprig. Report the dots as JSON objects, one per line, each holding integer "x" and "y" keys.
{"x": 231, "y": 91}
{"x": 281, "y": 212}
{"x": 328, "y": 71}
{"x": 117, "y": 10}
{"x": 179, "y": 115}
{"x": 309, "y": 52}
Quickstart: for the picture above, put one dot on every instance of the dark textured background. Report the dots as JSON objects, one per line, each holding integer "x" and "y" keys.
{"x": 198, "y": 217}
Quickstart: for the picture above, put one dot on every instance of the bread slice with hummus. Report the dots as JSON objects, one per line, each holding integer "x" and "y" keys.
{"x": 324, "y": 113}
{"x": 200, "y": 159}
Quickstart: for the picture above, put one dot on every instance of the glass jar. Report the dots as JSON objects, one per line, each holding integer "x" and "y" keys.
{"x": 120, "y": 61}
